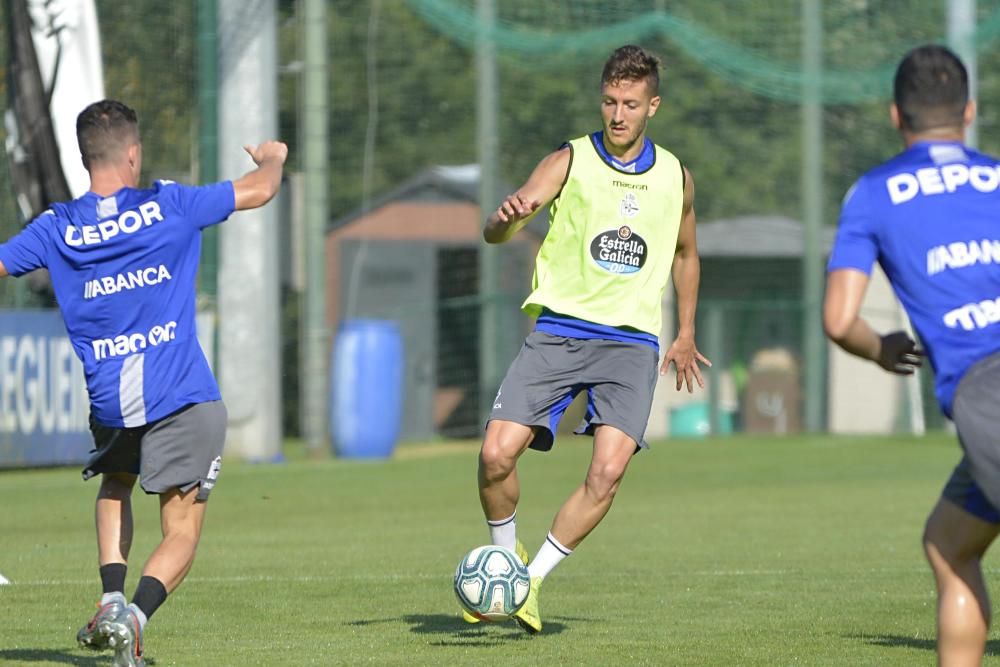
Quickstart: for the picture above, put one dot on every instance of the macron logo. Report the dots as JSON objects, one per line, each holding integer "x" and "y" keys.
{"x": 128, "y": 222}
{"x": 132, "y": 343}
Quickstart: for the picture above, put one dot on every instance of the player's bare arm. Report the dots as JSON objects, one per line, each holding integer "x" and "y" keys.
{"x": 517, "y": 209}
{"x": 259, "y": 186}
{"x": 686, "y": 273}
{"x": 3, "y": 271}
{"x": 896, "y": 352}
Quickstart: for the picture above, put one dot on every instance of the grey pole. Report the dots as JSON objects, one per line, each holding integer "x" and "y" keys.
{"x": 208, "y": 133}
{"x": 961, "y": 18}
{"x": 315, "y": 360}
{"x": 813, "y": 356}
{"x": 208, "y": 172}
{"x": 715, "y": 323}
{"x": 490, "y": 320}
{"x": 249, "y": 352}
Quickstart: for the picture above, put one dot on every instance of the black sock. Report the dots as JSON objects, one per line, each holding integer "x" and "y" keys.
{"x": 149, "y": 595}
{"x": 113, "y": 577}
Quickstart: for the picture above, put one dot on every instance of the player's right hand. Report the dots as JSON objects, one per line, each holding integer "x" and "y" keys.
{"x": 515, "y": 207}
{"x": 276, "y": 150}
{"x": 899, "y": 354}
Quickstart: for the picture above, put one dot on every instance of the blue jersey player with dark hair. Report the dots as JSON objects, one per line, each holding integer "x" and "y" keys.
{"x": 123, "y": 262}
{"x": 931, "y": 218}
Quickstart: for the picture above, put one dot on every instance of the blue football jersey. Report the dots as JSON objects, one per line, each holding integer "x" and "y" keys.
{"x": 931, "y": 218}
{"x": 123, "y": 270}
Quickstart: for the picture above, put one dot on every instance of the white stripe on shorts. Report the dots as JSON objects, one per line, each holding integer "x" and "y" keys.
{"x": 130, "y": 391}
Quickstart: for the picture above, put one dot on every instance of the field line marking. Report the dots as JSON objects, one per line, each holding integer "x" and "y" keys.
{"x": 425, "y": 576}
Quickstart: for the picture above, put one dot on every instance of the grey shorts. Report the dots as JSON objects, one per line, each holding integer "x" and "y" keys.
{"x": 550, "y": 371}
{"x": 975, "y": 483}
{"x": 183, "y": 450}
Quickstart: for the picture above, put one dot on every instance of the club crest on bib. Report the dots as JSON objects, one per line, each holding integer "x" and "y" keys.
{"x": 629, "y": 205}
{"x": 619, "y": 250}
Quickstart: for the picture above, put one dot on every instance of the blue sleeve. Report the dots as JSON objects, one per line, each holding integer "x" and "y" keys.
{"x": 28, "y": 249}
{"x": 206, "y": 205}
{"x": 856, "y": 243}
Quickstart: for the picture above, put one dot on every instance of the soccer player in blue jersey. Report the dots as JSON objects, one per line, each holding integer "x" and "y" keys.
{"x": 931, "y": 217}
{"x": 123, "y": 262}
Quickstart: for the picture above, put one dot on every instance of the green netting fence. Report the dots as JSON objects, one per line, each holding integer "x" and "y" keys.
{"x": 753, "y": 45}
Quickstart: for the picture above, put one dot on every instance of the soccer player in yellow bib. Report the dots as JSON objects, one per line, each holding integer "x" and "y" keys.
{"x": 621, "y": 221}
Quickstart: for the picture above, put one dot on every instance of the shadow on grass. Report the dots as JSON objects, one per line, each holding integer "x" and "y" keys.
{"x": 992, "y": 646}
{"x": 453, "y": 631}
{"x": 62, "y": 656}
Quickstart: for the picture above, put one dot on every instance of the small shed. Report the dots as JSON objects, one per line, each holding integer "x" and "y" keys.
{"x": 751, "y": 269}
{"x": 750, "y": 310}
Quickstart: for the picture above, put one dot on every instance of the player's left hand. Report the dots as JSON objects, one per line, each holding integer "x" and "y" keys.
{"x": 899, "y": 354}
{"x": 685, "y": 357}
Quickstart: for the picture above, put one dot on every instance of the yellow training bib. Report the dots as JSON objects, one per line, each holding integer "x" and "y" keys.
{"x": 611, "y": 241}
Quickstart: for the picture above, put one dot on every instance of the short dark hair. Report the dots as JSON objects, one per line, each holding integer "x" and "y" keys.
{"x": 632, "y": 63}
{"x": 931, "y": 89}
{"x": 104, "y": 130}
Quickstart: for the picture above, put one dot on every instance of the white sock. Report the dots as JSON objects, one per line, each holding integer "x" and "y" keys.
{"x": 550, "y": 555}
{"x": 139, "y": 615}
{"x": 503, "y": 532}
{"x": 109, "y": 597}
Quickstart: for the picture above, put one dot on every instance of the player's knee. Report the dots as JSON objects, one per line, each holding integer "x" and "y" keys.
{"x": 944, "y": 553}
{"x": 495, "y": 460}
{"x": 604, "y": 479}
{"x": 188, "y": 531}
{"x": 182, "y": 525}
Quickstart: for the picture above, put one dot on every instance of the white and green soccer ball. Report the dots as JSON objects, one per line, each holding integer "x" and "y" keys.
{"x": 491, "y": 583}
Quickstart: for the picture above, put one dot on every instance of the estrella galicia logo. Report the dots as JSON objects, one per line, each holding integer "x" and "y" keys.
{"x": 630, "y": 205}
{"x": 619, "y": 250}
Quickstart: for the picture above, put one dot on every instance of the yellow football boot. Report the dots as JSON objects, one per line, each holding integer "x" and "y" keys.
{"x": 527, "y": 616}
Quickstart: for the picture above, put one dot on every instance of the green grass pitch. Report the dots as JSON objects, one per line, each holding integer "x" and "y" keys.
{"x": 746, "y": 551}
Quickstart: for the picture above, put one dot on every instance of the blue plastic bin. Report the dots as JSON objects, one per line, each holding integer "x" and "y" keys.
{"x": 366, "y": 389}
